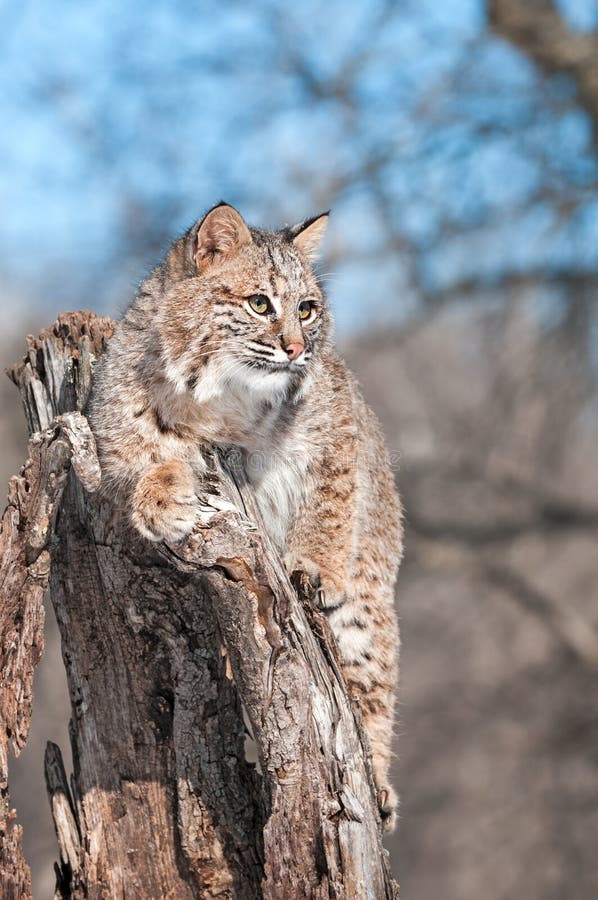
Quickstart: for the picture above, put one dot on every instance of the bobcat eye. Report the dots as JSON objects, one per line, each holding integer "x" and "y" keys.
{"x": 306, "y": 308}
{"x": 259, "y": 304}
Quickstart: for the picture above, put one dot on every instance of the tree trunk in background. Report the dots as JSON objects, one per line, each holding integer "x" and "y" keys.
{"x": 164, "y": 647}
{"x": 540, "y": 31}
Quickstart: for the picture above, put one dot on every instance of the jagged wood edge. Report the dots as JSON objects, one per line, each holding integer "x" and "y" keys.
{"x": 26, "y": 534}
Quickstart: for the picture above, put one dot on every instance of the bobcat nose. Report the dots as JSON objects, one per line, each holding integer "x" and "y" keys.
{"x": 294, "y": 349}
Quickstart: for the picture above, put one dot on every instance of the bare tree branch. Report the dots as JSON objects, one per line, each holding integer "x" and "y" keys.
{"x": 571, "y": 629}
{"x": 537, "y": 28}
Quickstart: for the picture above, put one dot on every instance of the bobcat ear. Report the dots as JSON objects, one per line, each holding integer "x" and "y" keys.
{"x": 221, "y": 231}
{"x": 307, "y": 235}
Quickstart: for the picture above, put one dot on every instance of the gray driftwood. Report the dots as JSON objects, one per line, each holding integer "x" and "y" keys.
{"x": 169, "y": 650}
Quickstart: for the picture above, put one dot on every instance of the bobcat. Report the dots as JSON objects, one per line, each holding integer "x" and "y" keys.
{"x": 228, "y": 342}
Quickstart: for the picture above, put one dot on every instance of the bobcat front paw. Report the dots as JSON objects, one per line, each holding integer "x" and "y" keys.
{"x": 295, "y": 563}
{"x": 387, "y": 804}
{"x": 165, "y": 503}
{"x": 304, "y": 575}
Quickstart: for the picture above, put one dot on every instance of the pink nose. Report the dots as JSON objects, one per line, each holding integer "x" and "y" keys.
{"x": 294, "y": 350}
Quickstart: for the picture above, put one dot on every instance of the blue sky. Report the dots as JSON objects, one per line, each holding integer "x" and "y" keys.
{"x": 121, "y": 124}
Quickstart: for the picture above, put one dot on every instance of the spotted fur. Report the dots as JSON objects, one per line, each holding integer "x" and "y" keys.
{"x": 192, "y": 364}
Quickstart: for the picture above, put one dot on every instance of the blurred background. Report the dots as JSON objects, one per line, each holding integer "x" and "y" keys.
{"x": 457, "y": 145}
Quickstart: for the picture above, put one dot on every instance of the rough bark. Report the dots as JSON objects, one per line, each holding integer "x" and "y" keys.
{"x": 540, "y": 31}
{"x": 164, "y": 646}
{"x": 26, "y": 532}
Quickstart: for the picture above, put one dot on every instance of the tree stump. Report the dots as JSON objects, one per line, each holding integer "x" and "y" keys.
{"x": 169, "y": 650}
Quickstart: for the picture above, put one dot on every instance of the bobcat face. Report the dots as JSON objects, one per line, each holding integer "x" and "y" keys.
{"x": 252, "y": 315}
{"x": 269, "y": 308}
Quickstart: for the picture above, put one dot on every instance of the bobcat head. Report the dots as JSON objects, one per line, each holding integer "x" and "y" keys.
{"x": 242, "y": 307}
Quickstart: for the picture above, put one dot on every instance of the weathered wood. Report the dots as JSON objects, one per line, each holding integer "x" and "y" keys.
{"x": 61, "y": 804}
{"x": 322, "y": 838}
{"x": 25, "y": 538}
{"x": 163, "y": 802}
{"x": 15, "y": 879}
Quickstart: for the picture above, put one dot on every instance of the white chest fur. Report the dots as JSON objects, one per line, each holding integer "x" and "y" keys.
{"x": 279, "y": 477}
{"x": 244, "y": 409}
